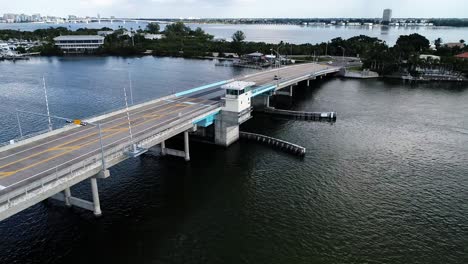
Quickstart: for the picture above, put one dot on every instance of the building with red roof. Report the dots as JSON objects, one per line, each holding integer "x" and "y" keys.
{"x": 464, "y": 56}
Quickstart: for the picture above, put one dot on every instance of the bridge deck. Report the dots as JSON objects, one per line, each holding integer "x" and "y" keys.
{"x": 29, "y": 162}
{"x": 267, "y": 78}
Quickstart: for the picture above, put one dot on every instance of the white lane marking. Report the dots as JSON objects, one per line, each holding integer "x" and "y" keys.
{"x": 85, "y": 130}
{"x": 2, "y": 187}
{"x": 151, "y": 127}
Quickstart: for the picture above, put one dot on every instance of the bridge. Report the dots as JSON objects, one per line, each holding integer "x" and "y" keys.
{"x": 47, "y": 165}
{"x": 117, "y": 20}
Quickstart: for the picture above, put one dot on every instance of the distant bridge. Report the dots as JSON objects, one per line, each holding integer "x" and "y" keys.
{"x": 112, "y": 20}
{"x": 48, "y": 165}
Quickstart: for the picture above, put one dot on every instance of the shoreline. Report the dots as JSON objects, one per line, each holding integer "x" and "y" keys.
{"x": 364, "y": 77}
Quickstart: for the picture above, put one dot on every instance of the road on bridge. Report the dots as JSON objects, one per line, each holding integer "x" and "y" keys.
{"x": 29, "y": 162}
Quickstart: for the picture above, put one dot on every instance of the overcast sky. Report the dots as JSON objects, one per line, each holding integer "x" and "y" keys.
{"x": 238, "y": 8}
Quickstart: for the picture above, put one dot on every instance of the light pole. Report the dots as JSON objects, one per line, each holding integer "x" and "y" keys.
{"x": 277, "y": 53}
{"x": 130, "y": 85}
{"x": 102, "y": 148}
{"x": 129, "y": 122}
{"x": 19, "y": 123}
{"x": 343, "y": 52}
{"x": 47, "y": 103}
{"x": 68, "y": 120}
{"x": 279, "y": 56}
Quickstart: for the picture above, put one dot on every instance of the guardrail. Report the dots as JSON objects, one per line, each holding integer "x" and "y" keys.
{"x": 14, "y": 194}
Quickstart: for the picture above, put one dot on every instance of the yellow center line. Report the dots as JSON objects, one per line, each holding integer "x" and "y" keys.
{"x": 136, "y": 125}
{"x": 72, "y": 141}
{"x": 114, "y": 129}
{"x": 64, "y": 148}
{"x": 73, "y": 148}
{"x": 6, "y": 174}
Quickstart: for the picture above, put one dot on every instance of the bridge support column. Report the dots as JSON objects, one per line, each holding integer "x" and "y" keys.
{"x": 179, "y": 153}
{"x": 286, "y": 91}
{"x": 163, "y": 148}
{"x": 226, "y": 128}
{"x": 67, "y": 196}
{"x": 96, "y": 202}
{"x": 308, "y": 82}
{"x": 186, "y": 146}
{"x": 267, "y": 101}
{"x": 95, "y": 205}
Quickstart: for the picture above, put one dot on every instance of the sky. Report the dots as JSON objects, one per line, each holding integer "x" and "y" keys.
{"x": 238, "y": 8}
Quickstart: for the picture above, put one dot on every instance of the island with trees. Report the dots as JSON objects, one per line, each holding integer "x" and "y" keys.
{"x": 411, "y": 55}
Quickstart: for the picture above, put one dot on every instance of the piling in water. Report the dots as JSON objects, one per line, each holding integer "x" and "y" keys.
{"x": 311, "y": 116}
{"x": 274, "y": 142}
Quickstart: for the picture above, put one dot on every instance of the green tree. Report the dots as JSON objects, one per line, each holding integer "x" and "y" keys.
{"x": 438, "y": 42}
{"x": 238, "y": 36}
{"x": 414, "y": 43}
{"x": 153, "y": 28}
{"x": 178, "y": 29}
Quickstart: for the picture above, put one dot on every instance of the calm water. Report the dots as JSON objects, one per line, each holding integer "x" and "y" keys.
{"x": 287, "y": 33}
{"x": 387, "y": 183}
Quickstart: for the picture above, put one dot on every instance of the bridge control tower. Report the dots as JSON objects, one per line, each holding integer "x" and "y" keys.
{"x": 238, "y": 96}
{"x": 237, "y": 109}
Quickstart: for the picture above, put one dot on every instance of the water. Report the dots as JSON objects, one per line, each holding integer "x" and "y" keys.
{"x": 287, "y": 33}
{"x": 385, "y": 184}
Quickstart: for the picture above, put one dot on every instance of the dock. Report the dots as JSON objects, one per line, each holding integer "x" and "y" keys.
{"x": 274, "y": 142}
{"x": 310, "y": 116}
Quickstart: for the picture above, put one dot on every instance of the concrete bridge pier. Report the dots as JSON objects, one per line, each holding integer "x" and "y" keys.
{"x": 67, "y": 194}
{"x": 186, "y": 146}
{"x": 226, "y": 128}
{"x": 96, "y": 203}
{"x": 178, "y": 153}
{"x": 285, "y": 91}
{"x": 163, "y": 148}
{"x": 261, "y": 101}
{"x": 69, "y": 200}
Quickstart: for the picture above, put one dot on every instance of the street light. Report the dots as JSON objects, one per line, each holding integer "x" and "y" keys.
{"x": 47, "y": 102}
{"x": 278, "y": 54}
{"x": 343, "y": 52}
{"x": 135, "y": 150}
{"x": 68, "y": 120}
{"x": 19, "y": 124}
{"x": 130, "y": 84}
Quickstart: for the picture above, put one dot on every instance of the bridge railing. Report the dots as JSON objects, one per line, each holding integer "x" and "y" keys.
{"x": 42, "y": 181}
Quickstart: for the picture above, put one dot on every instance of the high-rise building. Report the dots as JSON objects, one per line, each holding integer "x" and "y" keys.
{"x": 387, "y": 16}
{"x": 36, "y": 17}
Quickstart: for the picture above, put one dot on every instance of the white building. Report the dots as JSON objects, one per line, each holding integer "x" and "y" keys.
{"x": 105, "y": 32}
{"x": 427, "y": 56}
{"x": 237, "y": 98}
{"x": 387, "y": 16}
{"x": 75, "y": 44}
{"x": 153, "y": 36}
